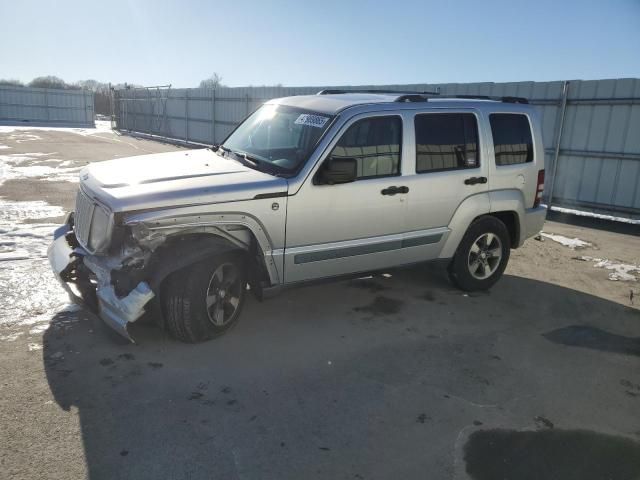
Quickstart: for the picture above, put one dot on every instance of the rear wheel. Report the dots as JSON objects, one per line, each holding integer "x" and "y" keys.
{"x": 205, "y": 300}
{"x": 482, "y": 255}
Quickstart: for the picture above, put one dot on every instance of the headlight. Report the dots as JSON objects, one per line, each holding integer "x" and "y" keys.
{"x": 100, "y": 229}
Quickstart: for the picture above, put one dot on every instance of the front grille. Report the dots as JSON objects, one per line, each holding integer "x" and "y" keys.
{"x": 83, "y": 217}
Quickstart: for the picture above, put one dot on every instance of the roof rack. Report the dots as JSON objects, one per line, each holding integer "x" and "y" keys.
{"x": 424, "y": 96}
{"x": 399, "y": 92}
{"x": 506, "y": 99}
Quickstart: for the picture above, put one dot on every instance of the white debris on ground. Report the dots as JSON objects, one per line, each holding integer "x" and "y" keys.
{"x": 30, "y": 296}
{"x": 30, "y": 165}
{"x": 619, "y": 271}
{"x": 572, "y": 243}
{"x": 582, "y": 213}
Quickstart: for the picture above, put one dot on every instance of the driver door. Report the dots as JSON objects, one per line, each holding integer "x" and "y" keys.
{"x": 350, "y": 227}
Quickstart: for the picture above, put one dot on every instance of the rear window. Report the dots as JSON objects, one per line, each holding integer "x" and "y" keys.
{"x": 446, "y": 141}
{"x": 511, "y": 138}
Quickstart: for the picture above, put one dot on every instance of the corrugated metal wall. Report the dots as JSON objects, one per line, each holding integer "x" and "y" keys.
{"x": 46, "y": 106}
{"x": 593, "y": 127}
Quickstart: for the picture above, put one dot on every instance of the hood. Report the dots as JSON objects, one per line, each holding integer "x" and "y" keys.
{"x": 175, "y": 179}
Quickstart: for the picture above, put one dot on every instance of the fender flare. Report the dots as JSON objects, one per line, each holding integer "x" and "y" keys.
{"x": 471, "y": 208}
{"x": 192, "y": 219}
{"x": 484, "y": 203}
{"x": 511, "y": 200}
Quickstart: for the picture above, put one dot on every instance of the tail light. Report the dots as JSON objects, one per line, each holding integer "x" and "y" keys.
{"x": 539, "y": 188}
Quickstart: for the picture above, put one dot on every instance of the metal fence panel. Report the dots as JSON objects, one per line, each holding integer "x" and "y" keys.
{"x": 595, "y": 129}
{"x": 46, "y": 106}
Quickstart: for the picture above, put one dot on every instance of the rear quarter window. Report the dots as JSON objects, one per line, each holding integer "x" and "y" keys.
{"x": 512, "y": 139}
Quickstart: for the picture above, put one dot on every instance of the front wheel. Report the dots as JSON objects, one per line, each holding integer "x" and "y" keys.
{"x": 204, "y": 300}
{"x": 482, "y": 255}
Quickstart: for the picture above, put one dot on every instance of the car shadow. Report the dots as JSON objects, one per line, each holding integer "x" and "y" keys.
{"x": 290, "y": 392}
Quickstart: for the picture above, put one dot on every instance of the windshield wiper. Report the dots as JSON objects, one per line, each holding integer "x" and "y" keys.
{"x": 256, "y": 163}
{"x": 220, "y": 149}
{"x": 252, "y": 160}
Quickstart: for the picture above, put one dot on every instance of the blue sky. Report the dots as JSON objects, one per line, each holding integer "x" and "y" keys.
{"x": 319, "y": 42}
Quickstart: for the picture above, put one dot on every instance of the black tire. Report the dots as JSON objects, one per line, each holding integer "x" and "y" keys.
{"x": 185, "y": 296}
{"x": 465, "y": 260}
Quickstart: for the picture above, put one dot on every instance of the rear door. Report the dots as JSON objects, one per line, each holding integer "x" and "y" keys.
{"x": 449, "y": 166}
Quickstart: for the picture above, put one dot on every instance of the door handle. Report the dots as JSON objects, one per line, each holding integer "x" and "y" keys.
{"x": 475, "y": 180}
{"x": 393, "y": 190}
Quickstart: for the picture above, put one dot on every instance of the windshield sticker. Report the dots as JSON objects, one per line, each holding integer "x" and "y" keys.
{"x": 311, "y": 120}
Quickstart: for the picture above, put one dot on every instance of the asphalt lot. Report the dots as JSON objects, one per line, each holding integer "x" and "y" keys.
{"x": 397, "y": 376}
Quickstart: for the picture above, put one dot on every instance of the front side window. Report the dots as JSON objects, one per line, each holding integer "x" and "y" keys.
{"x": 511, "y": 138}
{"x": 375, "y": 144}
{"x": 279, "y": 136}
{"x": 446, "y": 141}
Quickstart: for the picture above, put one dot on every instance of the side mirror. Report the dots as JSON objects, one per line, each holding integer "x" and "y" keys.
{"x": 338, "y": 170}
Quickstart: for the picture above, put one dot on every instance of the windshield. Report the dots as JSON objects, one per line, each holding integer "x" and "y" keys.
{"x": 282, "y": 136}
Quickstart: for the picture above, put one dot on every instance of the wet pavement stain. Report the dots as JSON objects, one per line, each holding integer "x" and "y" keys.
{"x": 381, "y": 306}
{"x": 551, "y": 455}
{"x": 585, "y": 336}
{"x": 428, "y": 296}
{"x": 542, "y": 422}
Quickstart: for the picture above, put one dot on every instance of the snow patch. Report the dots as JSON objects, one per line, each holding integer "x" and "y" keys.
{"x": 11, "y": 337}
{"x": 102, "y": 126}
{"x": 572, "y": 243}
{"x": 11, "y": 212}
{"x": 30, "y": 294}
{"x": 13, "y": 167}
{"x": 21, "y": 137}
{"x": 581, "y": 213}
{"x": 619, "y": 271}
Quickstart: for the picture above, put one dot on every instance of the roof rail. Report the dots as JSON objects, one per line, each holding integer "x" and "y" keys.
{"x": 506, "y": 99}
{"x": 424, "y": 96}
{"x": 412, "y": 97}
{"x": 331, "y": 91}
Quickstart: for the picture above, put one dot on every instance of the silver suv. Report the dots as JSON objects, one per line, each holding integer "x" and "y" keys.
{"x": 306, "y": 188}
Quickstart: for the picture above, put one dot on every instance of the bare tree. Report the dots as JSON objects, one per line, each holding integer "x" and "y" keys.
{"x": 214, "y": 81}
{"x": 50, "y": 81}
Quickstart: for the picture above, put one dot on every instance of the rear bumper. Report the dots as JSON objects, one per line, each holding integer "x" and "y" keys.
{"x": 533, "y": 222}
{"x": 87, "y": 280}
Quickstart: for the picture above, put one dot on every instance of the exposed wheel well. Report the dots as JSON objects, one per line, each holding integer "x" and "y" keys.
{"x": 183, "y": 251}
{"x": 510, "y": 219}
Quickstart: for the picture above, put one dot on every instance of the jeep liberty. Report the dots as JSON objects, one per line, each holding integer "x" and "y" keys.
{"x": 306, "y": 188}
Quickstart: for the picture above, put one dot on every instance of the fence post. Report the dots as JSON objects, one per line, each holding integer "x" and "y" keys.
{"x": 46, "y": 103}
{"x": 111, "y": 106}
{"x": 186, "y": 115}
{"x": 213, "y": 116}
{"x": 247, "y": 105}
{"x": 135, "y": 111}
{"x": 84, "y": 102}
{"x": 556, "y": 152}
{"x": 93, "y": 108}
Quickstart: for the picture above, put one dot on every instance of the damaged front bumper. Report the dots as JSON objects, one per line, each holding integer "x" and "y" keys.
{"x": 87, "y": 280}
